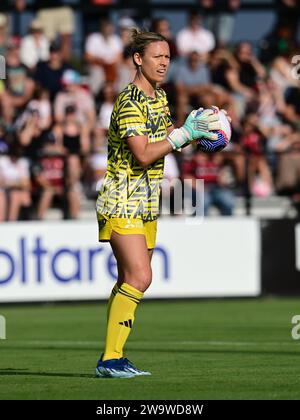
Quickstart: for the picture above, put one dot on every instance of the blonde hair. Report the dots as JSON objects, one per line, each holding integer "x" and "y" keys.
{"x": 141, "y": 39}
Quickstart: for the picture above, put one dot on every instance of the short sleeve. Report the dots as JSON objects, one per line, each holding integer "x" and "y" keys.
{"x": 131, "y": 120}
{"x": 168, "y": 117}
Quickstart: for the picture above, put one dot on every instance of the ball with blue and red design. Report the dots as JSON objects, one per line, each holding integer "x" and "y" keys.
{"x": 223, "y": 132}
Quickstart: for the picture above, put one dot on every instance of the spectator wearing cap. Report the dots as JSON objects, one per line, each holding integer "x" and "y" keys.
{"x": 19, "y": 86}
{"x": 195, "y": 37}
{"x": 34, "y": 46}
{"x": 49, "y": 73}
{"x": 75, "y": 95}
{"x": 103, "y": 53}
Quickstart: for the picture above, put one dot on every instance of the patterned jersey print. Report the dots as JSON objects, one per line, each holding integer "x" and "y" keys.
{"x": 128, "y": 189}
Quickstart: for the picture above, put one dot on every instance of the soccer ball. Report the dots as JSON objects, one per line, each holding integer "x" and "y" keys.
{"x": 224, "y": 136}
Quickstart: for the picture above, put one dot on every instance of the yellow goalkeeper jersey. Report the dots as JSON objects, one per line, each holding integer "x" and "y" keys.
{"x": 129, "y": 190}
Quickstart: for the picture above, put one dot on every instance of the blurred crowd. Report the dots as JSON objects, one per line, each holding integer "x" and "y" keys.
{"x": 55, "y": 109}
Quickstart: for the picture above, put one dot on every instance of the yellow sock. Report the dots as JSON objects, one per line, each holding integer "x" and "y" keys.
{"x": 120, "y": 321}
{"x": 111, "y": 298}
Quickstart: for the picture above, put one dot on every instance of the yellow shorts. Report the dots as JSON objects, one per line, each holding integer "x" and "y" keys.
{"x": 127, "y": 227}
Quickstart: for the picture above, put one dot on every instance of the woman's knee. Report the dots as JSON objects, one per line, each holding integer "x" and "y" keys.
{"x": 140, "y": 278}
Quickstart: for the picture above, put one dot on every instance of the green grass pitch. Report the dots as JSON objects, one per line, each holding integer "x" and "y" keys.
{"x": 198, "y": 349}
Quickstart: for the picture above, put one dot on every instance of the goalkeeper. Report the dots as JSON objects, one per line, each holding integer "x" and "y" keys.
{"x": 141, "y": 133}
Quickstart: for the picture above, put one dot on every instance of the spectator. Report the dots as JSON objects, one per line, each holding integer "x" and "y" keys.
{"x": 283, "y": 34}
{"x": 103, "y": 53}
{"x": 195, "y": 37}
{"x": 75, "y": 95}
{"x": 18, "y": 85}
{"x": 34, "y": 46}
{"x": 31, "y": 135}
{"x": 15, "y": 181}
{"x": 209, "y": 168}
{"x": 253, "y": 139}
{"x": 161, "y": 26}
{"x": 220, "y": 18}
{"x": 125, "y": 26}
{"x": 73, "y": 135}
{"x": 40, "y": 106}
{"x": 48, "y": 175}
{"x": 288, "y": 170}
{"x": 281, "y": 71}
{"x": 126, "y": 70}
{"x": 171, "y": 181}
{"x": 250, "y": 68}
{"x": 192, "y": 78}
{"x": 58, "y": 19}
{"x": 49, "y": 73}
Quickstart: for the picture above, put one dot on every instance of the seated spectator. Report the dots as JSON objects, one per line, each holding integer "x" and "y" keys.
{"x": 288, "y": 169}
{"x": 194, "y": 37}
{"x": 253, "y": 141}
{"x": 250, "y": 68}
{"x": 48, "y": 176}
{"x": 170, "y": 187}
{"x": 210, "y": 169}
{"x": 103, "y": 53}
{"x": 237, "y": 74}
{"x": 30, "y": 134}
{"x": 48, "y": 74}
{"x": 15, "y": 182}
{"x": 95, "y": 171}
{"x": 39, "y": 104}
{"x": 18, "y": 85}
{"x": 75, "y": 95}
{"x": 34, "y": 46}
{"x": 192, "y": 78}
{"x": 73, "y": 135}
{"x": 126, "y": 71}
{"x": 281, "y": 71}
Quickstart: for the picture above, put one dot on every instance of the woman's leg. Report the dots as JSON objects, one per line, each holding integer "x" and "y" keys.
{"x": 119, "y": 283}
{"x": 135, "y": 273}
{"x": 3, "y": 206}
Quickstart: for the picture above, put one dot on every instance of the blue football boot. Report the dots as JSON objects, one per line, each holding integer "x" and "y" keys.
{"x": 117, "y": 368}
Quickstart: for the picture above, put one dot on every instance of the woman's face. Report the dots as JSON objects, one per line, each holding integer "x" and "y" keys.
{"x": 155, "y": 61}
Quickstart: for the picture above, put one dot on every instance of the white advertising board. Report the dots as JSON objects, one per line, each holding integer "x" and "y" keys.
{"x": 49, "y": 261}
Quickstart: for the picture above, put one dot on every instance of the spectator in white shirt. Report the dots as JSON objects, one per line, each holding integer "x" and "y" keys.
{"x": 194, "y": 37}
{"x": 15, "y": 181}
{"x": 34, "y": 46}
{"x": 103, "y": 52}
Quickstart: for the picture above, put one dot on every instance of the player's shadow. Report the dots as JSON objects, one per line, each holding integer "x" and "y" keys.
{"x": 25, "y": 372}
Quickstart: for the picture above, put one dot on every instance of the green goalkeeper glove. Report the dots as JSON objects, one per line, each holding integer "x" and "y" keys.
{"x": 198, "y": 124}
